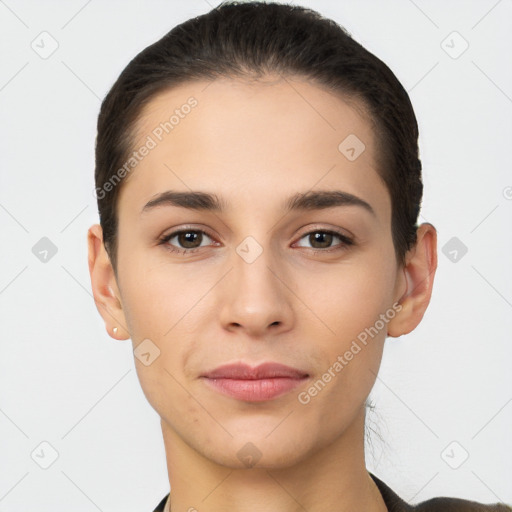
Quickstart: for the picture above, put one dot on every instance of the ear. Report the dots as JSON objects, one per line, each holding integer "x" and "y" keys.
{"x": 419, "y": 271}
{"x": 104, "y": 285}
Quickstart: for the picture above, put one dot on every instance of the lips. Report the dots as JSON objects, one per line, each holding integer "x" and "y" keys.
{"x": 246, "y": 372}
{"x": 261, "y": 383}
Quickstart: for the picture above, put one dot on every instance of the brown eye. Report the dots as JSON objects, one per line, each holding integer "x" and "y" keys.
{"x": 189, "y": 239}
{"x": 185, "y": 240}
{"x": 322, "y": 240}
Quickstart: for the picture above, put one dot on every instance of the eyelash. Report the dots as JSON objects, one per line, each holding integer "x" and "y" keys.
{"x": 346, "y": 242}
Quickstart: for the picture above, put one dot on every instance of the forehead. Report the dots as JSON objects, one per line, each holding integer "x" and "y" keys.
{"x": 252, "y": 140}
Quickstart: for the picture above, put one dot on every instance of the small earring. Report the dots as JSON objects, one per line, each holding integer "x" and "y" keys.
{"x": 115, "y": 330}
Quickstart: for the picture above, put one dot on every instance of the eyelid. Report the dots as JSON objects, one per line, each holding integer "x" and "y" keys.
{"x": 336, "y": 230}
{"x": 347, "y": 240}
{"x": 183, "y": 229}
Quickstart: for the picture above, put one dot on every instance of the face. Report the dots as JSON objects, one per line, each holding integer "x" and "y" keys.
{"x": 311, "y": 287}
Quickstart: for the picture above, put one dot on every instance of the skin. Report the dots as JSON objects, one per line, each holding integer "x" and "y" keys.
{"x": 256, "y": 144}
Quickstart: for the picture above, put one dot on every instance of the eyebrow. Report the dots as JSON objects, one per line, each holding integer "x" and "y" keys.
{"x": 203, "y": 201}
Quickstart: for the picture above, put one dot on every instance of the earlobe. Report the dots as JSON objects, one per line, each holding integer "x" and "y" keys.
{"x": 419, "y": 271}
{"x": 103, "y": 283}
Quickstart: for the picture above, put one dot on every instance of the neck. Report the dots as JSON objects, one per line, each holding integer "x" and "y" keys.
{"x": 332, "y": 478}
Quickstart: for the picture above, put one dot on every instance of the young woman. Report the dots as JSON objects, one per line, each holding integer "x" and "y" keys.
{"x": 258, "y": 186}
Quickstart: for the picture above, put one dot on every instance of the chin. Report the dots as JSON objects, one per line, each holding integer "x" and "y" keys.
{"x": 259, "y": 451}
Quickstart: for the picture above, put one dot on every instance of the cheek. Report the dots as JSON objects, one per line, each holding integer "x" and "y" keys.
{"x": 350, "y": 297}
{"x": 349, "y": 302}
{"x": 159, "y": 304}
{"x": 155, "y": 295}
{"x": 167, "y": 306}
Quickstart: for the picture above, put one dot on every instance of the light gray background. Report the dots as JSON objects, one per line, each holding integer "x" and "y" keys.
{"x": 64, "y": 381}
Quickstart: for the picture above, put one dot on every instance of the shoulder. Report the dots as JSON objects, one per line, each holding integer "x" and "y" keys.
{"x": 395, "y": 503}
{"x": 459, "y": 505}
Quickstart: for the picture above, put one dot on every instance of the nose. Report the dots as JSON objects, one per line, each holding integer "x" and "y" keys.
{"x": 256, "y": 294}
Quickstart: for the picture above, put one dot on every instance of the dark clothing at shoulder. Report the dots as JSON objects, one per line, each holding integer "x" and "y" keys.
{"x": 396, "y": 504}
{"x": 161, "y": 505}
